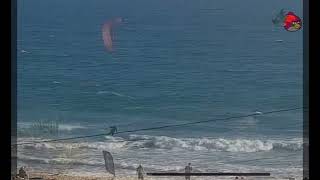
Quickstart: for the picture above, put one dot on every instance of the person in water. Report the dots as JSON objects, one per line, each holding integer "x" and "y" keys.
{"x": 188, "y": 169}
{"x": 140, "y": 172}
{"x": 113, "y": 130}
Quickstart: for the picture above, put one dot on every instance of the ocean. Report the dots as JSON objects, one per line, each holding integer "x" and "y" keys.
{"x": 175, "y": 62}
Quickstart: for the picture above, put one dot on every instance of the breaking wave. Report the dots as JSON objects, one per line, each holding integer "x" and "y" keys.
{"x": 215, "y": 144}
{"x": 130, "y": 151}
{"x": 188, "y": 144}
{"x": 62, "y": 127}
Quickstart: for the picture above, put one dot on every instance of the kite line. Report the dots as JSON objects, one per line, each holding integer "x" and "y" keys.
{"x": 165, "y": 126}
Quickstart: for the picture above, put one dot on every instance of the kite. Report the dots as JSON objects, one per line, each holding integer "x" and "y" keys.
{"x": 107, "y": 32}
{"x": 292, "y": 22}
{"x": 108, "y": 159}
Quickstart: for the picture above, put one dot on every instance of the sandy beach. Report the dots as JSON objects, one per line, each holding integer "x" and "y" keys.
{"x": 47, "y": 176}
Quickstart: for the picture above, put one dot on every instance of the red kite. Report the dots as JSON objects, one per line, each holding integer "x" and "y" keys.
{"x": 107, "y": 32}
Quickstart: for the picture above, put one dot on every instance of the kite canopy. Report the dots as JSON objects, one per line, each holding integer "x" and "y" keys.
{"x": 107, "y": 32}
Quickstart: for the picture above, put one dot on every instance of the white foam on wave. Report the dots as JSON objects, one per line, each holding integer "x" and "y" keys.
{"x": 61, "y": 160}
{"x": 189, "y": 144}
{"x": 115, "y": 94}
{"x": 62, "y": 127}
{"x": 215, "y": 144}
{"x": 127, "y": 157}
{"x": 24, "y": 51}
{"x": 70, "y": 127}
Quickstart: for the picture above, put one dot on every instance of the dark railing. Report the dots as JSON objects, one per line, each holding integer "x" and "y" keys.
{"x": 207, "y": 174}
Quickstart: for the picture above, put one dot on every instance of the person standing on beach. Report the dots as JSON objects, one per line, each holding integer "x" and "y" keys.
{"x": 140, "y": 172}
{"x": 188, "y": 169}
{"x": 23, "y": 174}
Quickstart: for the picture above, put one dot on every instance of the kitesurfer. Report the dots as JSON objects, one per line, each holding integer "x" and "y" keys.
{"x": 113, "y": 130}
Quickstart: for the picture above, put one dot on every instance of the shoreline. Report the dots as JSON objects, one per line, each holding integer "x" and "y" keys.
{"x": 48, "y": 176}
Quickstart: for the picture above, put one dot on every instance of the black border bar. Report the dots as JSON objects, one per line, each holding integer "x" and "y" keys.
{"x": 207, "y": 174}
{"x": 305, "y": 88}
{"x": 13, "y": 85}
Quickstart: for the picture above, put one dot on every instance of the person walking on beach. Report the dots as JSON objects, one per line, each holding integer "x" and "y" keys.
{"x": 140, "y": 172}
{"x": 188, "y": 169}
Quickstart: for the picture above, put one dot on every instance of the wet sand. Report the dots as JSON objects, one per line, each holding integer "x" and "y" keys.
{"x": 46, "y": 176}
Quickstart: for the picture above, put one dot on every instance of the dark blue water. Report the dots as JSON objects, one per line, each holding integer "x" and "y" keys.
{"x": 175, "y": 61}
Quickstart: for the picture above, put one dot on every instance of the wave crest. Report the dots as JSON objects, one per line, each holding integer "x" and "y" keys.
{"x": 189, "y": 144}
{"x": 214, "y": 144}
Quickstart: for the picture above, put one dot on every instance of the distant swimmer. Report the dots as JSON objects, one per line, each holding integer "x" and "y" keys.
{"x": 140, "y": 172}
{"x": 188, "y": 169}
{"x": 258, "y": 112}
{"x": 279, "y": 40}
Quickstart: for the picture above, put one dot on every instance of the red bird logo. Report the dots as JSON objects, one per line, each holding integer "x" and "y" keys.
{"x": 292, "y": 22}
